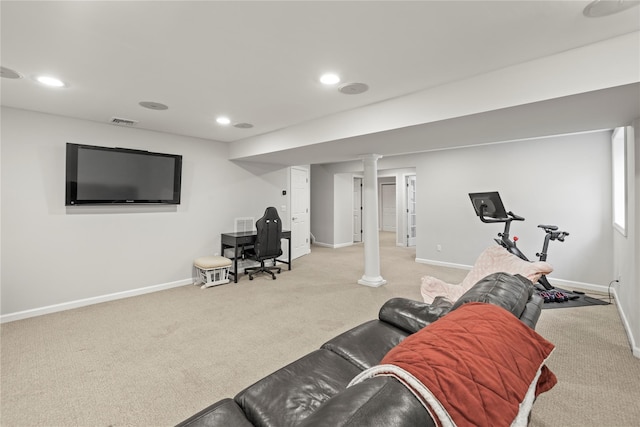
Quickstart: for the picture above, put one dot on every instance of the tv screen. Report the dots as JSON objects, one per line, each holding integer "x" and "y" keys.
{"x": 102, "y": 175}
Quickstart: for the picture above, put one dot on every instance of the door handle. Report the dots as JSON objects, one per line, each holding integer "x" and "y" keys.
{"x": 294, "y": 218}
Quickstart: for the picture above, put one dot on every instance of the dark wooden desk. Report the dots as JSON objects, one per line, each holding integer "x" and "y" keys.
{"x": 238, "y": 240}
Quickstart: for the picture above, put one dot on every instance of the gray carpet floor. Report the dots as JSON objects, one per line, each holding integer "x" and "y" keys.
{"x": 155, "y": 359}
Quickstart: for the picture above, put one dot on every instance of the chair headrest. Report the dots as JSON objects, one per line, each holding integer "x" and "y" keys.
{"x": 271, "y": 213}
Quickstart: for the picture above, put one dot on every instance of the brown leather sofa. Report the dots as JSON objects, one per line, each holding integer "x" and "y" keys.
{"x": 312, "y": 391}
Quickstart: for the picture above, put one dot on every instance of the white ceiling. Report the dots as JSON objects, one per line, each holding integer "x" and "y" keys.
{"x": 259, "y": 61}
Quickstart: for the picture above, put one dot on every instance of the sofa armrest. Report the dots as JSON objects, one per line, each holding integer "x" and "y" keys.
{"x": 509, "y": 291}
{"x": 532, "y": 311}
{"x": 410, "y": 315}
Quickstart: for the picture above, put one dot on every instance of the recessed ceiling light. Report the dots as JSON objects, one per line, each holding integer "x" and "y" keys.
{"x": 599, "y": 8}
{"x": 222, "y": 120}
{"x": 50, "y": 81}
{"x": 329, "y": 79}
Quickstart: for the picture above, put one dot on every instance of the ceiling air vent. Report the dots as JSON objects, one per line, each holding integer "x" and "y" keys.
{"x": 243, "y": 125}
{"x": 354, "y": 88}
{"x": 122, "y": 122}
{"x": 8, "y": 73}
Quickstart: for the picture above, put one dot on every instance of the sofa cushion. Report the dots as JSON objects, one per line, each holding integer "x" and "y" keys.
{"x": 511, "y": 292}
{"x": 381, "y": 401}
{"x": 366, "y": 344}
{"x": 225, "y": 412}
{"x": 290, "y": 394}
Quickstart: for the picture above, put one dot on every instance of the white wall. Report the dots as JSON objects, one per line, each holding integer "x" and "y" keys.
{"x": 627, "y": 248}
{"x": 61, "y": 257}
{"x": 563, "y": 180}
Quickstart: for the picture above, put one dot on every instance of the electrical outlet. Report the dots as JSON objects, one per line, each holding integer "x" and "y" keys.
{"x": 439, "y": 248}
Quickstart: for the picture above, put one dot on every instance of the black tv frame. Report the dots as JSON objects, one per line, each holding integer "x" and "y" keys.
{"x": 71, "y": 177}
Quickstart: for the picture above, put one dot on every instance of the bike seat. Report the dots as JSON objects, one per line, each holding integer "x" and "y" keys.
{"x": 548, "y": 227}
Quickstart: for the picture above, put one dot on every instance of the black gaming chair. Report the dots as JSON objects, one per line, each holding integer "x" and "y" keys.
{"x": 267, "y": 245}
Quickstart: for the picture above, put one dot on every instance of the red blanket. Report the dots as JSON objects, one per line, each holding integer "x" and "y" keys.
{"x": 477, "y": 366}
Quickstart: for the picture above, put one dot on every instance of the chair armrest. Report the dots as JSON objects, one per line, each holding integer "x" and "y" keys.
{"x": 410, "y": 315}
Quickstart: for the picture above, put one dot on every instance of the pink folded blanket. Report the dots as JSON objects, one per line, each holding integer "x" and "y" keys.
{"x": 494, "y": 259}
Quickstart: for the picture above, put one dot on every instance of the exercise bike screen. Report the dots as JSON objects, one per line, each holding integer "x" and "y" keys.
{"x": 492, "y": 201}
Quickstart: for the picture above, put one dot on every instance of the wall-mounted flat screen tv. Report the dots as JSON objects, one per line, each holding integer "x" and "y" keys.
{"x": 103, "y": 175}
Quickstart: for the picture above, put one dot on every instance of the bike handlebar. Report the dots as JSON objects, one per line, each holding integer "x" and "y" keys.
{"x": 515, "y": 217}
{"x": 511, "y": 216}
{"x": 559, "y": 236}
{"x": 551, "y": 230}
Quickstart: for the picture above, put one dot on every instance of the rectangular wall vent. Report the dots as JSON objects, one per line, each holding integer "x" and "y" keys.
{"x": 122, "y": 122}
{"x": 244, "y": 224}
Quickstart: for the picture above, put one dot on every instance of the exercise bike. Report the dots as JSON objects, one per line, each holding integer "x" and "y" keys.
{"x": 489, "y": 208}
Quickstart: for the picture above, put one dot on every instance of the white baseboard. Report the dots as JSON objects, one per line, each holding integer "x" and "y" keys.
{"x": 10, "y": 317}
{"x": 559, "y": 282}
{"x": 333, "y": 246}
{"x": 635, "y": 350}
{"x": 323, "y": 245}
{"x": 443, "y": 264}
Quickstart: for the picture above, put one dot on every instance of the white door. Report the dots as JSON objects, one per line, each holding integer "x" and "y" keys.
{"x": 411, "y": 210}
{"x": 357, "y": 210}
{"x": 388, "y": 207}
{"x": 300, "y": 229}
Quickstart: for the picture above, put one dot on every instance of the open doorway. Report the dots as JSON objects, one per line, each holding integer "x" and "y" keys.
{"x": 388, "y": 206}
{"x": 300, "y": 227}
{"x": 411, "y": 209}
